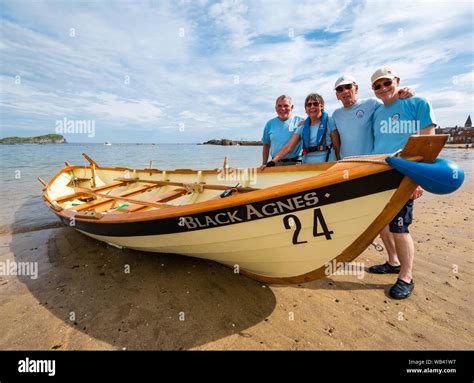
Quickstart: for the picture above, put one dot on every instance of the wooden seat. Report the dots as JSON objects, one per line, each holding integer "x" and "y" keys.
{"x": 102, "y": 188}
{"x": 163, "y": 197}
{"x": 103, "y": 204}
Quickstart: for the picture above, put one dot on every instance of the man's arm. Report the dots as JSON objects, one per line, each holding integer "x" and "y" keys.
{"x": 287, "y": 148}
{"x": 265, "y": 153}
{"x": 336, "y": 143}
{"x": 266, "y": 144}
{"x": 406, "y": 93}
{"x": 429, "y": 130}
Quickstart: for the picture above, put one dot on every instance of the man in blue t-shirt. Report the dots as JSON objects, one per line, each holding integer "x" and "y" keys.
{"x": 279, "y": 130}
{"x": 394, "y": 122}
{"x": 354, "y": 121}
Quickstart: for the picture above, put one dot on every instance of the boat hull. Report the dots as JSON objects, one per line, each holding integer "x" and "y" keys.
{"x": 277, "y": 238}
{"x": 266, "y": 247}
{"x": 285, "y": 229}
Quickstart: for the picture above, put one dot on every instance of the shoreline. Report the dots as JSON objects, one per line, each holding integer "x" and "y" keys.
{"x": 458, "y": 146}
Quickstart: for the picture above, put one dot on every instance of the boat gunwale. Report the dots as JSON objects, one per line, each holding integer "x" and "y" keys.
{"x": 358, "y": 170}
{"x": 332, "y": 176}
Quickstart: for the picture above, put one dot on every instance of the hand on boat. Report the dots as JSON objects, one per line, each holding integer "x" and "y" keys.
{"x": 417, "y": 193}
{"x": 270, "y": 164}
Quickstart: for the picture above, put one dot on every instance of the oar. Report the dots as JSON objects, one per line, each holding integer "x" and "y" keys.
{"x": 190, "y": 185}
{"x": 130, "y": 200}
{"x": 92, "y": 167}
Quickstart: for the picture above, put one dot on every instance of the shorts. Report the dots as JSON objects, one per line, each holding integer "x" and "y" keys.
{"x": 403, "y": 219}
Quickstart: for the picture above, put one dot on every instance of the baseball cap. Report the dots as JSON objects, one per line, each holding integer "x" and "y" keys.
{"x": 384, "y": 72}
{"x": 345, "y": 79}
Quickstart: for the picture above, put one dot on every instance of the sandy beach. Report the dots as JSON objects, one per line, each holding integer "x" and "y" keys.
{"x": 91, "y": 296}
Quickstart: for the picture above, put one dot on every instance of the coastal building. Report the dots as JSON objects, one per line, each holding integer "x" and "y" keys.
{"x": 459, "y": 134}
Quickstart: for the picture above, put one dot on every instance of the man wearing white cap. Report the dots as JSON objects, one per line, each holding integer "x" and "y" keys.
{"x": 394, "y": 122}
{"x": 354, "y": 120}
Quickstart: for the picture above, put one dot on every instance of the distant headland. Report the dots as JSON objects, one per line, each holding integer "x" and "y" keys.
{"x": 46, "y": 139}
{"x": 227, "y": 142}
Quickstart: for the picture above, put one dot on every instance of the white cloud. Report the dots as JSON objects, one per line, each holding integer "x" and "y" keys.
{"x": 200, "y": 117}
{"x": 231, "y": 15}
{"x": 113, "y": 108}
{"x": 191, "y": 77}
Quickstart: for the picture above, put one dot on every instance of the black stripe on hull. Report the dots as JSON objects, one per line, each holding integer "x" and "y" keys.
{"x": 344, "y": 191}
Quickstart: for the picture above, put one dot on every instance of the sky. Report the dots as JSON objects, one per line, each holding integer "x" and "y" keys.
{"x": 190, "y": 71}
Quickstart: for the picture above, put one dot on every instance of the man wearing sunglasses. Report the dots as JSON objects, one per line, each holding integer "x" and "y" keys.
{"x": 353, "y": 122}
{"x": 278, "y": 131}
{"x": 394, "y": 122}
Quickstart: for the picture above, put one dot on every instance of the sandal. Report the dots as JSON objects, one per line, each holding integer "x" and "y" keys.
{"x": 401, "y": 289}
{"x": 386, "y": 268}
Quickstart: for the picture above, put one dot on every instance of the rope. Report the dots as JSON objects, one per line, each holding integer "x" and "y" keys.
{"x": 381, "y": 162}
{"x": 361, "y": 158}
{"x": 193, "y": 187}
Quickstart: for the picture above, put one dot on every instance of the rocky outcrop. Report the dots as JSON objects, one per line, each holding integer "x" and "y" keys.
{"x": 46, "y": 139}
{"x": 226, "y": 142}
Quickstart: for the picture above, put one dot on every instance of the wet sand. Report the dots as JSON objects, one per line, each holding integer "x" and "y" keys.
{"x": 84, "y": 298}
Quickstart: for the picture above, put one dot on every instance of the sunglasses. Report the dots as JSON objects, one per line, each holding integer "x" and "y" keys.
{"x": 340, "y": 88}
{"x": 379, "y": 86}
{"x": 313, "y": 104}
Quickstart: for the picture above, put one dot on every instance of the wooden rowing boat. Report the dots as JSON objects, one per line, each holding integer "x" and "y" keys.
{"x": 283, "y": 225}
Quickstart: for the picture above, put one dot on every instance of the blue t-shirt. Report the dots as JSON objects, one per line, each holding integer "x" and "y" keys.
{"x": 277, "y": 133}
{"x": 317, "y": 157}
{"x": 355, "y": 127}
{"x": 395, "y": 123}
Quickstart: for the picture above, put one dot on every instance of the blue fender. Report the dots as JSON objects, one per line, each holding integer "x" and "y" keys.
{"x": 440, "y": 177}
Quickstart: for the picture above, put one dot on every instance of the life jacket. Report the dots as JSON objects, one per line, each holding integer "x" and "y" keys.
{"x": 320, "y": 136}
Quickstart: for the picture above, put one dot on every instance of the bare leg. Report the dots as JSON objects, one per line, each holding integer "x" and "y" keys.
{"x": 389, "y": 242}
{"x": 406, "y": 252}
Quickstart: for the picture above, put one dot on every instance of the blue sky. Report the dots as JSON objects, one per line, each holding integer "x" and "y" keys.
{"x": 189, "y": 71}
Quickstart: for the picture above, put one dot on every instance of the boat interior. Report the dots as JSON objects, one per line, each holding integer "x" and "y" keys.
{"x": 94, "y": 189}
